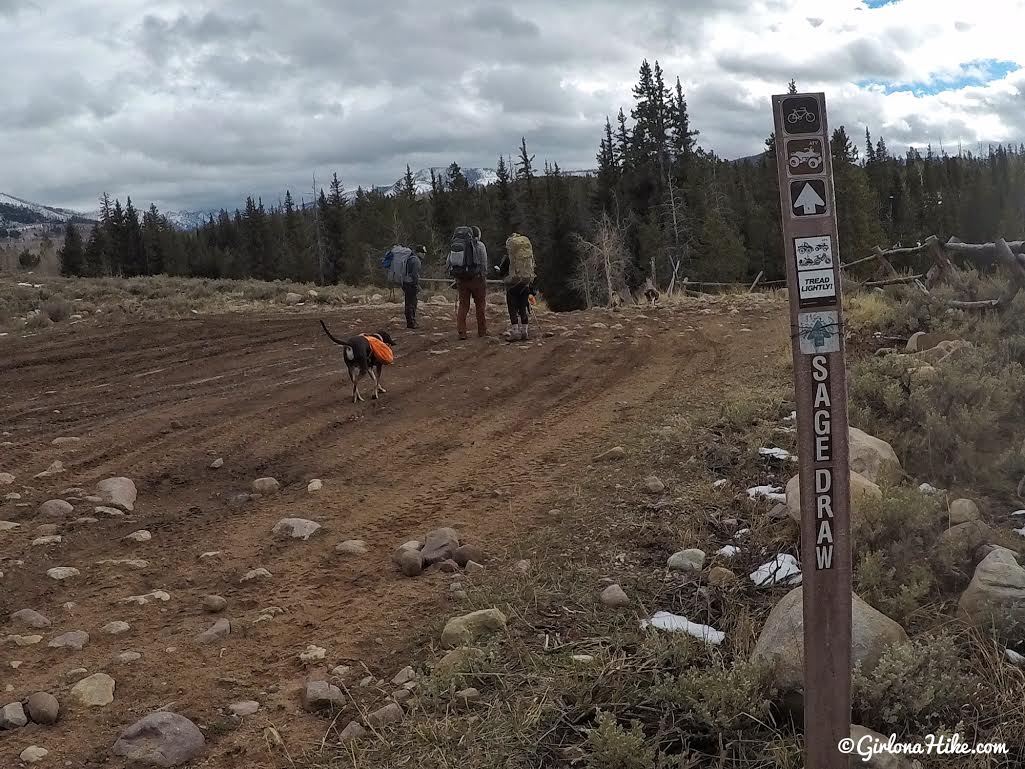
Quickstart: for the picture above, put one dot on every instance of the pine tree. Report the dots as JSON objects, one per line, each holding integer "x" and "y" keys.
{"x": 409, "y": 184}
{"x": 870, "y": 152}
{"x": 97, "y": 253}
{"x": 608, "y": 174}
{"x": 792, "y": 87}
{"x": 154, "y": 242}
{"x": 134, "y": 248}
{"x": 72, "y": 255}
{"x": 506, "y": 204}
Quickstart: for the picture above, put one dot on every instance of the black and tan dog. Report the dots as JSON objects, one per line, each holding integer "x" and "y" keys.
{"x": 362, "y": 358}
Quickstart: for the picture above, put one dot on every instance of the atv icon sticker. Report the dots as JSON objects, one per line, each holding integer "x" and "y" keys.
{"x": 804, "y": 156}
{"x": 816, "y": 281}
{"x": 814, "y": 253}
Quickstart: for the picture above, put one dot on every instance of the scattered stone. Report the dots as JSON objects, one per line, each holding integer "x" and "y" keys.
{"x": 411, "y": 563}
{"x": 220, "y": 629}
{"x": 55, "y": 539}
{"x": 466, "y": 553}
{"x": 43, "y": 708}
{"x": 24, "y": 640}
{"x": 255, "y": 574}
{"x": 320, "y": 695}
{"x": 55, "y": 468}
{"x": 874, "y": 459}
{"x": 292, "y": 298}
{"x": 273, "y": 737}
{"x": 9, "y": 525}
{"x": 296, "y": 528}
{"x": 404, "y": 676}
{"x": 33, "y": 754}
{"x": 238, "y": 500}
{"x": 956, "y": 547}
{"x": 341, "y": 671}
{"x": 963, "y": 511}
{"x": 351, "y": 547}
{"x": 76, "y": 674}
{"x": 411, "y": 545}
{"x": 615, "y": 454}
{"x": 161, "y": 739}
{"x": 244, "y": 709}
{"x": 720, "y": 576}
{"x": 86, "y": 519}
{"x": 995, "y": 598}
{"x": 96, "y": 691}
{"x": 109, "y": 512}
{"x": 449, "y": 567}
{"x": 118, "y": 492}
{"x": 473, "y": 568}
{"x": 76, "y": 639}
{"x": 314, "y": 486}
{"x": 366, "y": 682}
{"x": 781, "y": 642}
{"x": 313, "y": 654}
{"x": 30, "y": 618}
{"x": 131, "y": 563}
{"x": 210, "y": 554}
{"x": 467, "y": 697}
{"x": 139, "y": 536}
{"x": 142, "y": 600}
{"x": 126, "y": 657}
{"x": 353, "y": 731}
{"x": 266, "y": 486}
{"x": 12, "y": 716}
{"x": 440, "y": 545}
{"x": 116, "y": 628}
{"x": 862, "y": 491}
{"x": 46, "y": 529}
{"x": 472, "y": 627}
{"x": 214, "y": 604}
{"x": 582, "y": 659}
{"x": 615, "y": 597}
{"x": 653, "y": 485}
{"x": 55, "y": 508}
{"x": 93, "y": 500}
{"x": 64, "y": 443}
{"x": 217, "y": 464}
{"x": 688, "y": 561}
{"x": 6, "y": 479}
{"x": 390, "y": 714}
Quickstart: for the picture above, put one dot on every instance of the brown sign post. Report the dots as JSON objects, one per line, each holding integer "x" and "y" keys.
{"x": 820, "y": 379}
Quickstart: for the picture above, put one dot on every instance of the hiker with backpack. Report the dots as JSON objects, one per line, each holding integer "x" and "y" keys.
{"x": 468, "y": 264}
{"x": 517, "y": 271}
{"x": 411, "y": 284}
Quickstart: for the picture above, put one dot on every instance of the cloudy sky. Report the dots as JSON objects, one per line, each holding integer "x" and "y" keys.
{"x": 194, "y": 104}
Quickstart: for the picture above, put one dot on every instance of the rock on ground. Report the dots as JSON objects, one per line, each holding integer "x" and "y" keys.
{"x": 472, "y": 627}
{"x": 865, "y": 739}
{"x": 115, "y": 628}
{"x": 139, "y": 536}
{"x": 292, "y": 298}
{"x": 321, "y": 695}
{"x": 214, "y": 604}
{"x": 922, "y": 341}
{"x": 460, "y": 661}
{"x": 296, "y": 528}
{"x": 995, "y": 598}
{"x": 244, "y": 709}
{"x": 862, "y": 490}
{"x": 615, "y": 597}
{"x": 720, "y": 576}
{"x": 126, "y": 657}
{"x": 521, "y": 567}
{"x": 389, "y": 714}
{"x": 781, "y": 642}
{"x": 30, "y": 618}
{"x": 33, "y": 754}
{"x": 56, "y": 508}
{"x": 314, "y": 486}
{"x": 615, "y": 454}
{"x": 411, "y": 563}
{"x": 963, "y": 511}
{"x": 217, "y": 464}
{"x": 653, "y": 485}
{"x": 874, "y": 459}
{"x": 160, "y": 739}
{"x": 6, "y": 479}
{"x": 440, "y": 545}
{"x": 466, "y": 553}
{"x": 955, "y": 549}
{"x": 220, "y": 629}
{"x": 261, "y": 573}
{"x": 118, "y": 492}
{"x": 404, "y": 676}
{"x": 43, "y": 708}
{"x": 466, "y": 697}
{"x": 76, "y": 639}
{"x": 472, "y": 568}
{"x": 351, "y": 547}
{"x": 12, "y": 716}
{"x": 95, "y": 691}
{"x": 352, "y": 732}
{"x": 688, "y": 561}
{"x": 266, "y": 486}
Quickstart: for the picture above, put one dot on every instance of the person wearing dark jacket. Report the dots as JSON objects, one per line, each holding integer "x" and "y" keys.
{"x": 517, "y": 299}
{"x": 411, "y": 284}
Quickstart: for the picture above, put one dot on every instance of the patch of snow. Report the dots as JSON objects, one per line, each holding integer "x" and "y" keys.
{"x": 929, "y": 489}
{"x": 720, "y": 483}
{"x": 1020, "y": 531}
{"x": 791, "y": 418}
{"x": 771, "y": 493}
{"x": 1018, "y": 512}
{"x": 728, "y": 551}
{"x": 1014, "y": 658}
{"x": 674, "y": 623}
{"x": 741, "y": 532}
{"x": 776, "y": 453}
{"x": 781, "y": 570}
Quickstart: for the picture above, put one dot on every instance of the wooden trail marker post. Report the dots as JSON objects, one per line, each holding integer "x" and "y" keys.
{"x": 820, "y": 377}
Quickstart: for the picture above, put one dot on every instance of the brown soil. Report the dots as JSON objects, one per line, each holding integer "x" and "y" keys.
{"x": 480, "y": 435}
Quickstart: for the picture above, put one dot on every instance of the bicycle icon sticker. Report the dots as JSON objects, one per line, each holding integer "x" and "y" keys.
{"x": 801, "y": 116}
{"x": 805, "y": 156}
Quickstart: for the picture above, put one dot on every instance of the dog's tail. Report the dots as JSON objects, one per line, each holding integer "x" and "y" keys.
{"x": 334, "y": 339}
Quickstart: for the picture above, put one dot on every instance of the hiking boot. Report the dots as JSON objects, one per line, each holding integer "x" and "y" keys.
{"x": 524, "y": 334}
{"x": 513, "y": 333}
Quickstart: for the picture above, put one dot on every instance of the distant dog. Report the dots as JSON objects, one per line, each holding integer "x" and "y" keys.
{"x": 652, "y": 295}
{"x": 361, "y": 358}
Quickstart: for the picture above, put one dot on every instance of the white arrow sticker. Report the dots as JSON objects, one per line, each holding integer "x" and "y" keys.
{"x": 809, "y": 200}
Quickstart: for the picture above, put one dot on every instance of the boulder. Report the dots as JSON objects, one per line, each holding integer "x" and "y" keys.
{"x": 43, "y": 708}
{"x": 922, "y": 341}
{"x": 943, "y": 352}
{"x": 55, "y": 508}
{"x": 160, "y": 739}
{"x": 33, "y": 754}
{"x": 689, "y": 561}
{"x": 296, "y": 528}
{"x": 411, "y": 563}
{"x": 266, "y": 486}
{"x": 389, "y": 714}
{"x": 720, "y": 576}
{"x": 95, "y": 691}
{"x": 955, "y": 549}
{"x": 995, "y": 598}
{"x": 214, "y": 604}
{"x": 874, "y": 459}
{"x": 220, "y": 629}
{"x": 615, "y": 597}
{"x": 118, "y": 492}
{"x": 862, "y": 491}
{"x": 440, "y": 545}
{"x": 864, "y": 742}
{"x": 292, "y": 298}
{"x": 478, "y": 625}
{"x": 320, "y": 695}
{"x": 6, "y": 479}
{"x": 76, "y": 639}
{"x": 30, "y": 618}
{"x": 351, "y": 547}
{"x": 781, "y": 642}
{"x": 12, "y": 716}
{"x": 466, "y": 553}
{"x": 654, "y": 485}
{"x": 116, "y": 628}
{"x": 460, "y": 662}
{"x": 244, "y": 709}
{"x": 963, "y": 511}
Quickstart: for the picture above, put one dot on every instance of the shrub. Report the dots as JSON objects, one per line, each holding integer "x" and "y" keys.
{"x": 38, "y": 320}
{"x": 57, "y": 309}
{"x": 613, "y": 747}
{"x": 715, "y": 700}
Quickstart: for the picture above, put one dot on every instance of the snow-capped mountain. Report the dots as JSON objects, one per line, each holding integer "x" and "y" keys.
{"x": 17, "y": 213}
{"x": 189, "y": 220}
{"x": 475, "y": 177}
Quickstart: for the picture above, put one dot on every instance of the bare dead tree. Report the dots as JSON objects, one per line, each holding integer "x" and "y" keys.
{"x": 602, "y": 262}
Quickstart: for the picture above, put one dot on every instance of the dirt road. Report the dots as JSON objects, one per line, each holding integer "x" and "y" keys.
{"x": 480, "y": 435}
